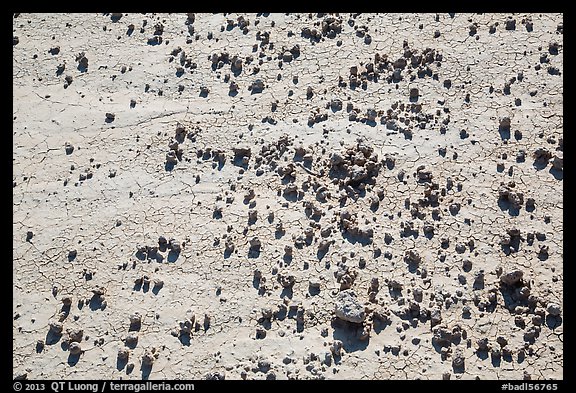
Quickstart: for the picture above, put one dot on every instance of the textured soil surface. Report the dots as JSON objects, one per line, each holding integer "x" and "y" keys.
{"x": 288, "y": 196}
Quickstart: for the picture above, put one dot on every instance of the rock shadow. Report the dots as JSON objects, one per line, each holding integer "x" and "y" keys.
{"x": 287, "y": 292}
{"x": 121, "y": 363}
{"x": 146, "y": 369}
{"x": 184, "y": 339}
{"x": 52, "y": 338}
{"x": 505, "y": 205}
{"x": 172, "y": 256}
{"x": 320, "y": 254}
{"x": 254, "y": 252}
{"x": 552, "y": 322}
{"x": 557, "y": 173}
{"x": 349, "y": 334}
{"x": 156, "y": 289}
{"x": 95, "y": 303}
{"x": 504, "y": 133}
{"x": 351, "y": 238}
{"x": 73, "y": 359}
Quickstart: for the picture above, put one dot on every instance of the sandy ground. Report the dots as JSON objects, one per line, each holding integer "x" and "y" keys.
{"x": 272, "y": 196}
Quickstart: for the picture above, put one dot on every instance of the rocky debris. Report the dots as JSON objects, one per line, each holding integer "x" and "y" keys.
{"x": 331, "y": 26}
{"x": 131, "y": 339}
{"x": 313, "y": 33}
{"x": 381, "y": 314}
{"x": 215, "y": 376}
{"x": 412, "y": 257}
{"x": 505, "y": 122}
{"x": 242, "y": 156}
{"x": 336, "y": 104}
{"x": 458, "y": 358}
{"x": 345, "y": 276}
{"x": 557, "y": 161}
{"x": 149, "y": 356}
{"x": 110, "y": 116}
{"x": 553, "y": 309}
{"x": 68, "y": 79}
{"x": 187, "y": 325}
{"x": 56, "y": 327}
{"x": 82, "y": 61}
{"x": 171, "y": 157}
{"x": 510, "y": 24}
{"x": 174, "y": 245}
{"x": 75, "y": 349}
{"x": 445, "y": 336}
{"x": 75, "y": 334}
{"x": 257, "y": 86}
{"x": 314, "y": 284}
{"x": 333, "y": 193}
{"x": 423, "y": 174}
{"x": 365, "y": 332}
{"x": 135, "y": 320}
{"x": 348, "y": 308}
{"x": 286, "y": 279}
{"x": 336, "y": 348}
{"x": 66, "y": 300}
{"x": 435, "y": 317}
{"x": 483, "y": 345}
{"x": 512, "y": 278}
{"x": 542, "y": 155}
{"x": 373, "y": 289}
{"x": 506, "y": 193}
{"x": 255, "y": 243}
{"x": 154, "y": 40}
{"x": 123, "y": 354}
{"x": 357, "y": 165}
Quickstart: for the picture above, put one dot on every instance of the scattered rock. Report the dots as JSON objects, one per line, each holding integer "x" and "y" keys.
{"x": 553, "y": 309}
{"x": 66, "y": 300}
{"x": 148, "y": 358}
{"x": 215, "y": 376}
{"x": 286, "y": 279}
{"x": 510, "y": 24}
{"x": 123, "y": 354}
{"x": 75, "y": 335}
{"x": 435, "y": 317}
{"x": 512, "y": 278}
{"x": 348, "y": 308}
{"x": 56, "y": 327}
{"x": 75, "y": 348}
{"x": 257, "y": 86}
{"x": 458, "y": 359}
{"x": 82, "y": 61}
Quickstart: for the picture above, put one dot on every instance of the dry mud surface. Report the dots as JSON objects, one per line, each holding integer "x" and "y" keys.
{"x": 301, "y": 196}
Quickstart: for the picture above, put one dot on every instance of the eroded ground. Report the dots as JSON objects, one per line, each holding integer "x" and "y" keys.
{"x": 271, "y": 196}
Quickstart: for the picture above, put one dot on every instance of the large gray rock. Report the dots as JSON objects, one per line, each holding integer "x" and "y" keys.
{"x": 348, "y": 308}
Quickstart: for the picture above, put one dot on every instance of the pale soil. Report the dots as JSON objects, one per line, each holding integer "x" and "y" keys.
{"x": 428, "y": 234}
